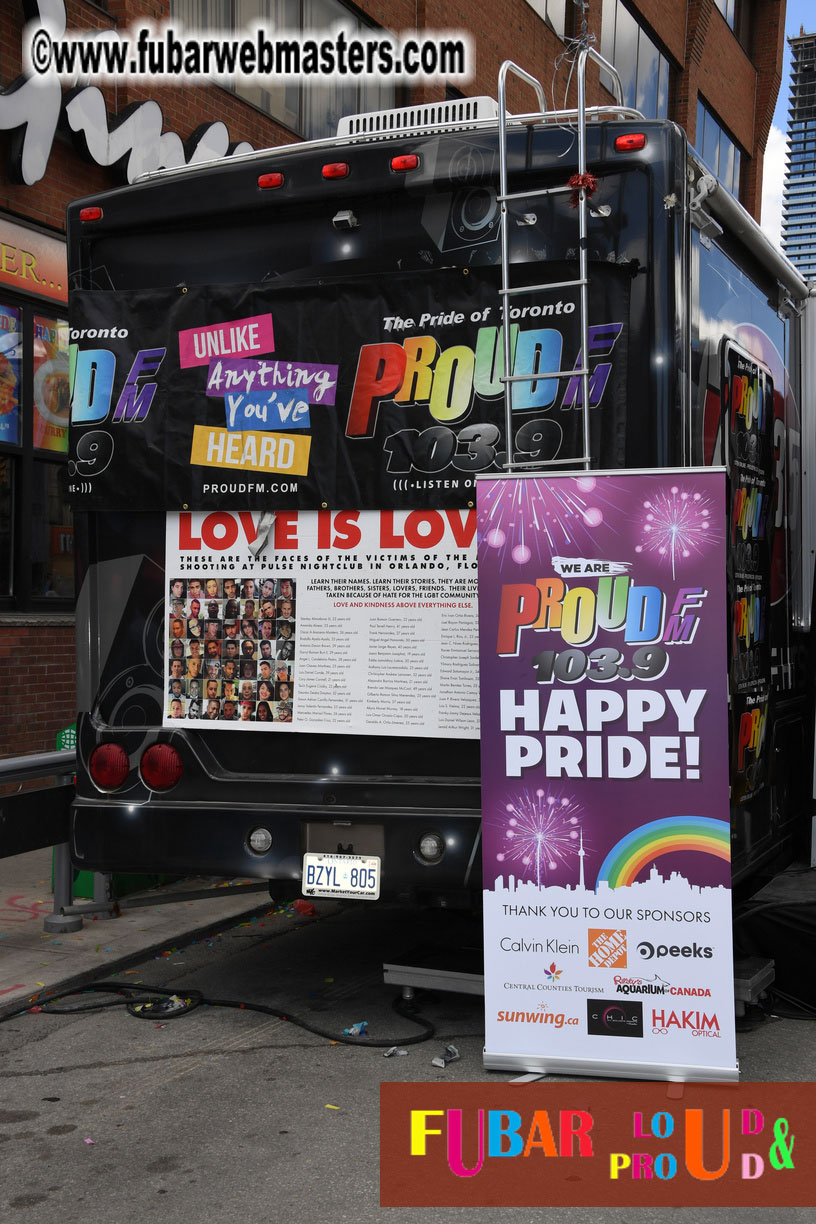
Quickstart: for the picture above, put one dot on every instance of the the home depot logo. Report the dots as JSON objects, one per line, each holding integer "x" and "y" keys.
{"x": 607, "y": 949}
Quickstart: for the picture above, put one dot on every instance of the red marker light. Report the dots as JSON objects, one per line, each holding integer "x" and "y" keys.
{"x": 335, "y": 170}
{"x": 631, "y": 142}
{"x": 406, "y": 161}
{"x": 273, "y": 179}
{"x": 90, "y": 214}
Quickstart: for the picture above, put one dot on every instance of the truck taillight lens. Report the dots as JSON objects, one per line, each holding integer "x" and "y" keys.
{"x": 93, "y": 213}
{"x": 335, "y": 170}
{"x": 631, "y": 142}
{"x": 270, "y": 181}
{"x": 161, "y": 767}
{"x": 405, "y": 161}
{"x": 109, "y": 766}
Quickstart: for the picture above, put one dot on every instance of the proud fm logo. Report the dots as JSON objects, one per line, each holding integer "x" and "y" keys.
{"x": 490, "y": 1134}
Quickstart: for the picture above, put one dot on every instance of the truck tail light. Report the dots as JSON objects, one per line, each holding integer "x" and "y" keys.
{"x": 92, "y": 213}
{"x": 109, "y": 766}
{"x": 405, "y": 161}
{"x": 271, "y": 180}
{"x": 161, "y": 766}
{"x": 335, "y": 170}
{"x": 631, "y": 142}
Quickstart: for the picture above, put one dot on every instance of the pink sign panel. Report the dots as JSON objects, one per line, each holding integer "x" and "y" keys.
{"x": 237, "y": 338}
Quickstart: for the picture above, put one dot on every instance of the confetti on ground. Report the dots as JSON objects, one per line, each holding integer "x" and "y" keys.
{"x": 328, "y": 1107}
{"x": 90, "y": 1141}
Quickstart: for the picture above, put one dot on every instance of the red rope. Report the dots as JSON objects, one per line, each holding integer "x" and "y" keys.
{"x": 587, "y": 181}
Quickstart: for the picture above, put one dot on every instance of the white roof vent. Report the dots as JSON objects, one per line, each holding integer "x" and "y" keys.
{"x": 456, "y": 113}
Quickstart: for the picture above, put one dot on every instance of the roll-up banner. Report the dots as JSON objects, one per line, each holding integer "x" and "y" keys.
{"x": 604, "y": 723}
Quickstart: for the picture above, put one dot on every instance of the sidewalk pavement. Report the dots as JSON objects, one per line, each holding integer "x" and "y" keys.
{"x": 33, "y": 961}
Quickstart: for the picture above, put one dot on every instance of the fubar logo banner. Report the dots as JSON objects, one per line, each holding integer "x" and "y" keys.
{"x": 593, "y": 1145}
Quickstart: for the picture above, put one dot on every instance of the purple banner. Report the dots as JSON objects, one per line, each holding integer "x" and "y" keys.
{"x": 606, "y": 836}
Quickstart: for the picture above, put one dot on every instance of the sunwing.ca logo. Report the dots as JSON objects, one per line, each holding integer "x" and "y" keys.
{"x": 607, "y": 949}
{"x": 542, "y": 1016}
{"x": 614, "y": 1018}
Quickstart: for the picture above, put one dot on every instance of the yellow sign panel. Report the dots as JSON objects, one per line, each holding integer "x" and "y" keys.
{"x": 253, "y": 450}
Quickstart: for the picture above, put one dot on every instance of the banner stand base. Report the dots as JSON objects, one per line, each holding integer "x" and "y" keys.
{"x": 607, "y": 1068}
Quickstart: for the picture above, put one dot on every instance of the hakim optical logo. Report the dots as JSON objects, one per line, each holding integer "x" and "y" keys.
{"x": 614, "y": 1018}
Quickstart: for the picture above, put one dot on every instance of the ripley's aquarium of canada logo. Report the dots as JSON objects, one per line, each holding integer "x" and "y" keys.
{"x": 607, "y": 949}
{"x": 614, "y": 1018}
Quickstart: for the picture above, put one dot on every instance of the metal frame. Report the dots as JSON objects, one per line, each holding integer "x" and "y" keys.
{"x": 582, "y": 281}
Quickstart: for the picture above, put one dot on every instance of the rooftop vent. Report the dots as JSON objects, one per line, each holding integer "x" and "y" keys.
{"x": 458, "y": 112}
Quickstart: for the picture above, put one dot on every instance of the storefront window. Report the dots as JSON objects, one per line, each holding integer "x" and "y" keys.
{"x": 36, "y": 531}
{"x": 52, "y": 534}
{"x": 10, "y": 374}
{"x": 6, "y": 525}
{"x": 51, "y": 391}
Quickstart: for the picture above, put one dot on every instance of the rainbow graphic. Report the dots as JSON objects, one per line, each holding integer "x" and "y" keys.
{"x": 630, "y": 855}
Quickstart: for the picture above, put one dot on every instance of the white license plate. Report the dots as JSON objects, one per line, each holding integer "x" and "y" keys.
{"x": 341, "y": 875}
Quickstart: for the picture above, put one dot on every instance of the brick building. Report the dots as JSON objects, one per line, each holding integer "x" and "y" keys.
{"x": 714, "y": 66}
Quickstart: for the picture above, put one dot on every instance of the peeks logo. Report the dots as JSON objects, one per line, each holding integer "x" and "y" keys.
{"x": 607, "y": 949}
{"x": 614, "y": 1018}
{"x": 695, "y": 951}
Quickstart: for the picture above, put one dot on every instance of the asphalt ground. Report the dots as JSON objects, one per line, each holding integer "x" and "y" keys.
{"x": 228, "y": 1111}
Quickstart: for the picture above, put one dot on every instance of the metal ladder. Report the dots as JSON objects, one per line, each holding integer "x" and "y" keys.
{"x": 581, "y": 282}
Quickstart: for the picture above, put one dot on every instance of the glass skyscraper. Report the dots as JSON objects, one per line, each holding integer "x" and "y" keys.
{"x": 799, "y": 208}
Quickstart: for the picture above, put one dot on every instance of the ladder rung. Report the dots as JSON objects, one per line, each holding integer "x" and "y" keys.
{"x": 514, "y": 378}
{"x": 533, "y": 193}
{"x": 570, "y": 284}
{"x": 539, "y": 463}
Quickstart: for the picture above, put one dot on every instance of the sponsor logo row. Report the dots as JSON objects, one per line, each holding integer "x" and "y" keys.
{"x": 607, "y": 949}
{"x": 622, "y": 1018}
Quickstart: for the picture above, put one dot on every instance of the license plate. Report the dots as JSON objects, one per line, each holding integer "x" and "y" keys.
{"x": 341, "y": 875}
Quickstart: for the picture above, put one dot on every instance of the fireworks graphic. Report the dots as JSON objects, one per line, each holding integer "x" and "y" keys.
{"x": 541, "y": 833}
{"x": 530, "y": 514}
{"x": 677, "y": 525}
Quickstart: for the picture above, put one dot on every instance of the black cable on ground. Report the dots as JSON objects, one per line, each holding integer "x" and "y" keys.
{"x": 143, "y": 1003}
